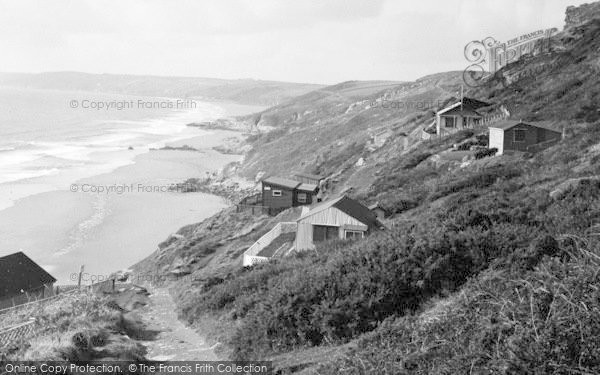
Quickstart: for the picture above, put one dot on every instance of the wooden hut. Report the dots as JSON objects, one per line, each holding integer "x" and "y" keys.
{"x": 341, "y": 218}
{"x": 458, "y": 116}
{"x": 522, "y": 136}
{"x": 22, "y": 280}
{"x": 281, "y": 193}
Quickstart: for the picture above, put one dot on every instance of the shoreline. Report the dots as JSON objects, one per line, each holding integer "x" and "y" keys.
{"x": 110, "y": 231}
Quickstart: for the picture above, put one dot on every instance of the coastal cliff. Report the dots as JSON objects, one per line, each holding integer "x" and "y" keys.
{"x": 457, "y": 233}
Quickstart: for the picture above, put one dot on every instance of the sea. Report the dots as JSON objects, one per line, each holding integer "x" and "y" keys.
{"x": 51, "y": 138}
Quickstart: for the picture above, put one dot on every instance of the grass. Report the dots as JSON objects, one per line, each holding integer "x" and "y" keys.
{"x": 463, "y": 223}
{"x": 543, "y": 321}
{"x": 475, "y": 273}
{"x": 79, "y": 326}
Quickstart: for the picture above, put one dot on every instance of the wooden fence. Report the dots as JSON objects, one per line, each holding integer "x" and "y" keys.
{"x": 16, "y": 333}
{"x": 21, "y": 331}
{"x": 37, "y": 302}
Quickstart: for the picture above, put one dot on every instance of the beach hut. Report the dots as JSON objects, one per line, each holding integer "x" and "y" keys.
{"x": 522, "y": 136}
{"x": 340, "y": 218}
{"x": 280, "y": 193}
{"x": 460, "y": 115}
{"x": 22, "y": 280}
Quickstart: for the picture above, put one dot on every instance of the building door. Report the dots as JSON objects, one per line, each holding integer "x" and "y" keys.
{"x": 324, "y": 233}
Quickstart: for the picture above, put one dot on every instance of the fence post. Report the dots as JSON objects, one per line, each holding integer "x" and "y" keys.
{"x": 80, "y": 275}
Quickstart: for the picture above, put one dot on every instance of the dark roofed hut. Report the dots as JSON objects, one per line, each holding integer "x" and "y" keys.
{"x": 461, "y": 115}
{"x": 22, "y": 280}
{"x": 522, "y": 136}
{"x": 280, "y": 193}
{"x": 340, "y": 218}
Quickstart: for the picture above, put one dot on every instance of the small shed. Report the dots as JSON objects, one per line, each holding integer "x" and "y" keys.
{"x": 341, "y": 218}
{"x": 378, "y": 210}
{"x": 22, "y": 280}
{"x": 306, "y": 194}
{"x": 280, "y": 193}
{"x": 522, "y": 136}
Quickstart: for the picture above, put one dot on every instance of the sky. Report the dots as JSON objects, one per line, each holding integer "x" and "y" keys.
{"x": 313, "y": 41}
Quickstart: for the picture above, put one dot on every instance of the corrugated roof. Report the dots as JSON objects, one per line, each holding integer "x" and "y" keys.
{"x": 283, "y": 182}
{"x": 448, "y": 108}
{"x": 464, "y": 112}
{"x": 348, "y": 206}
{"x": 469, "y": 105}
{"x": 507, "y": 124}
{"x": 19, "y": 273}
{"x": 308, "y": 187}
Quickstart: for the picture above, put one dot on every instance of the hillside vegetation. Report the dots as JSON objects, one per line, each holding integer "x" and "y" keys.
{"x": 326, "y": 131}
{"x": 78, "y": 327}
{"x": 488, "y": 266}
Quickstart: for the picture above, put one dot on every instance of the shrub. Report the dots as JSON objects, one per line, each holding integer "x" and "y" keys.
{"x": 359, "y": 285}
{"x": 415, "y": 160}
{"x": 544, "y": 321}
{"x": 485, "y": 153}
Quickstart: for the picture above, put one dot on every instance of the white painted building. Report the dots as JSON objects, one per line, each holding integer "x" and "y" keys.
{"x": 341, "y": 218}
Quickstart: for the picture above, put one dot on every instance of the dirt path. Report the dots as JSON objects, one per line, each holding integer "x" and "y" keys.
{"x": 176, "y": 341}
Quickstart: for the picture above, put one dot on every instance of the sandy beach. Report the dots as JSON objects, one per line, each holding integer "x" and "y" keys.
{"x": 110, "y": 221}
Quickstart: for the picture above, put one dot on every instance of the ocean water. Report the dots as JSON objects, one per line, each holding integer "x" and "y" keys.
{"x": 49, "y": 139}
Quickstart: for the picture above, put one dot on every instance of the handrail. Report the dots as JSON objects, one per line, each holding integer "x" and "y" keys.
{"x": 266, "y": 239}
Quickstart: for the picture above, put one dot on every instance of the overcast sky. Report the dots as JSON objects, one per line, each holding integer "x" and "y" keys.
{"x": 319, "y": 41}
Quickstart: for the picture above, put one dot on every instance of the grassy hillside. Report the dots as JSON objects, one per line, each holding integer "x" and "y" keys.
{"x": 496, "y": 214}
{"x": 327, "y": 130}
{"x": 562, "y": 84}
{"x": 487, "y": 266}
{"x": 245, "y": 91}
{"x": 78, "y": 327}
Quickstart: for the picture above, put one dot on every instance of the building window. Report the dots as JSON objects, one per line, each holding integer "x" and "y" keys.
{"x": 465, "y": 121}
{"x": 450, "y": 121}
{"x": 301, "y": 197}
{"x": 519, "y": 135}
{"x": 324, "y": 233}
{"x": 353, "y": 234}
{"x": 277, "y": 193}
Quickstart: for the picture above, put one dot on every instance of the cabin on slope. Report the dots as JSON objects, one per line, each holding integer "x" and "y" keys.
{"x": 507, "y": 136}
{"x": 22, "y": 281}
{"x": 341, "y": 218}
{"x": 280, "y": 193}
{"x": 460, "y": 115}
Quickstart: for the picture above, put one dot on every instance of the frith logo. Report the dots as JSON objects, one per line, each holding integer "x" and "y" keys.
{"x": 489, "y": 55}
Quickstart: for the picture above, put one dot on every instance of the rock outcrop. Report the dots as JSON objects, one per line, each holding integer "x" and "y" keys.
{"x": 582, "y": 14}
